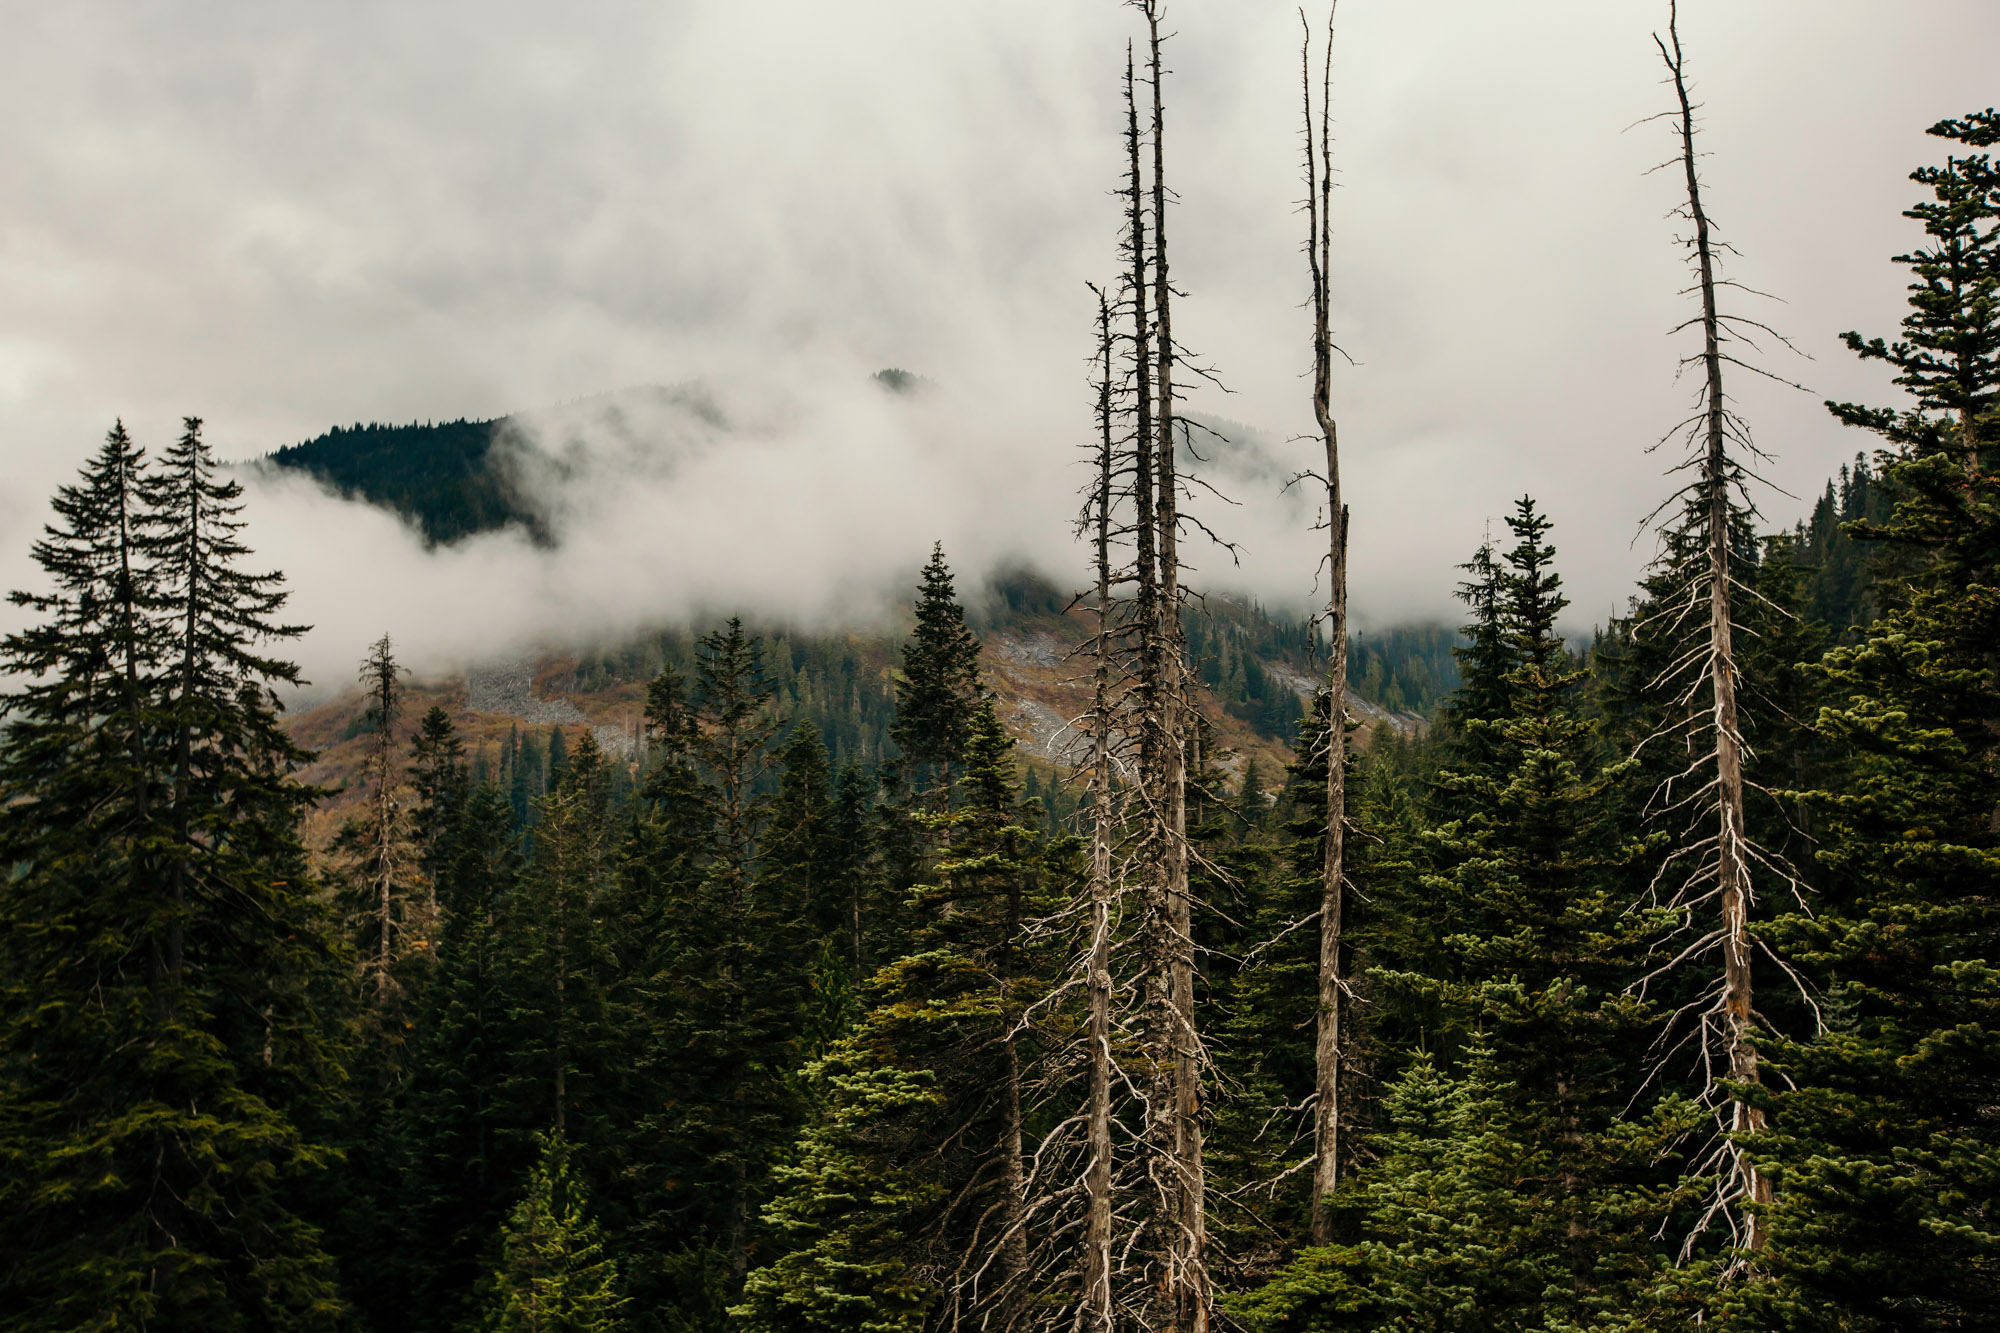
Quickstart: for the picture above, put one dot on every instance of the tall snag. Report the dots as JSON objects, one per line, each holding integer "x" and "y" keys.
{"x": 1704, "y": 681}
{"x": 1147, "y": 700}
{"x": 1319, "y": 257}
{"x": 1191, "y": 1293}
{"x": 1096, "y": 1310}
{"x": 384, "y": 864}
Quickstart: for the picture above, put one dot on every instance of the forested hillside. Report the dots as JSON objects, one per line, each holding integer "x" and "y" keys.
{"x": 440, "y": 476}
{"x": 1060, "y": 960}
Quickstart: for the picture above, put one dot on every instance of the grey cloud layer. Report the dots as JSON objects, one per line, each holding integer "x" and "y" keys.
{"x": 283, "y": 216}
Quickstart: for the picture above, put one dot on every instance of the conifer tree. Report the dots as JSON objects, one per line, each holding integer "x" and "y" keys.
{"x": 392, "y": 924}
{"x": 444, "y": 784}
{"x": 390, "y": 918}
{"x": 554, "y": 1274}
{"x": 563, "y": 1032}
{"x": 730, "y": 992}
{"x": 1097, "y": 1302}
{"x": 846, "y": 1215}
{"x": 1949, "y": 357}
{"x": 939, "y": 692}
{"x": 1447, "y": 1246}
{"x": 169, "y": 988}
{"x": 1709, "y": 872}
{"x": 1531, "y": 862}
{"x": 558, "y": 753}
{"x": 799, "y": 849}
{"x": 926, "y": 1107}
{"x": 463, "y": 1144}
{"x": 87, "y": 669}
{"x": 1884, "y": 1142}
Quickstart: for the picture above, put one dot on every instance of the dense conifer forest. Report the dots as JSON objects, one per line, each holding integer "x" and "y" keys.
{"x": 1654, "y": 983}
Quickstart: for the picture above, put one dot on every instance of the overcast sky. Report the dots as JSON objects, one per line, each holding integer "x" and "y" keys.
{"x": 281, "y": 216}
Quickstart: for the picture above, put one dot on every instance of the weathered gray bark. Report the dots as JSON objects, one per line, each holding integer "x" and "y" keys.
{"x": 1014, "y": 1177}
{"x": 379, "y": 672}
{"x": 1158, "y": 1029}
{"x": 1327, "y": 1034}
{"x": 1097, "y": 1295}
{"x": 1732, "y": 859}
{"x": 1192, "y": 1295}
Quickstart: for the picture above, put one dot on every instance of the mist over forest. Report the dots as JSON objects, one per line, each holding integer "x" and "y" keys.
{"x": 1105, "y": 669}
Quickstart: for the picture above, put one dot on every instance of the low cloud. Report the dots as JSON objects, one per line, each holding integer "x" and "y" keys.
{"x": 283, "y": 217}
{"x": 813, "y": 507}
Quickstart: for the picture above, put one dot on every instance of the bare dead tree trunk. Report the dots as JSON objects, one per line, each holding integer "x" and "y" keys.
{"x": 1159, "y": 1029}
{"x": 1192, "y": 1294}
{"x": 562, "y": 995}
{"x": 1095, "y": 1313}
{"x": 379, "y": 672}
{"x": 1732, "y": 859}
{"x": 130, "y": 629}
{"x": 1327, "y": 1035}
{"x": 1145, "y": 566}
{"x": 1014, "y": 1178}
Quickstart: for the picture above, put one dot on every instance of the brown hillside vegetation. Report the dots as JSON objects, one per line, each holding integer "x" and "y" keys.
{"x": 1027, "y": 666}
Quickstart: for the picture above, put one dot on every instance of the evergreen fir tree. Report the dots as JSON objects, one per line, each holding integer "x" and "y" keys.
{"x": 1885, "y": 1144}
{"x": 926, "y": 1097}
{"x": 444, "y": 784}
{"x": 1448, "y": 1246}
{"x": 556, "y": 962}
{"x": 169, "y": 972}
{"x": 846, "y": 1214}
{"x": 1534, "y": 863}
{"x": 938, "y": 696}
{"x": 463, "y": 1149}
{"x": 554, "y": 1274}
{"x": 730, "y": 992}
{"x": 558, "y": 753}
{"x": 868, "y": 919}
{"x": 798, "y": 851}
{"x": 1949, "y": 357}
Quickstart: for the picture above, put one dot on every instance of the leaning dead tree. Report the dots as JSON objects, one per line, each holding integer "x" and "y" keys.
{"x": 1333, "y": 883}
{"x": 1710, "y": 870}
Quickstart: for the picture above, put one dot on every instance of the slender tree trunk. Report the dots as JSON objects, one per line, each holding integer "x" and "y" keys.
{"x": 1732, "y": 862}
{"x": 1327, "y": 1034}
{"x": 1159, "y": 1030}
{"x": 1146, "y": 567}
{"x": 739, "y": 1209}
{"x": 382, "y": 673}
{"x": 854, "y": 897}
{"x": 557, "y": 827}
{"x": 1968, "y": 424}
{"x": 1014, "y": 1176}
{"x": 1095, "y": 1315}
{"x": 132, "y": 614}
{"x": 183, "y": 725}
{"x": 1192, "y": 1295}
